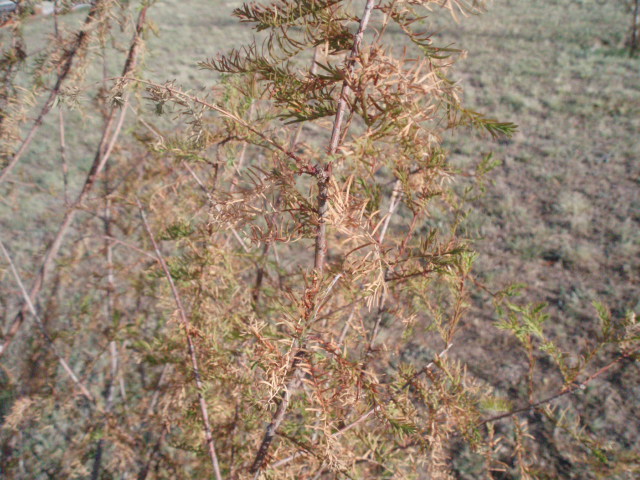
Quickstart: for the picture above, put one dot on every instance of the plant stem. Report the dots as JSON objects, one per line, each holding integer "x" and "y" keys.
{"x": 63, "y": 363}
{"x": 566, "y": 390}
{"x": 324, "y": 175}
{"x": 324, "y": 178}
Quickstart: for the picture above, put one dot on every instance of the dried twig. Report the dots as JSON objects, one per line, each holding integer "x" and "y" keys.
{"x": 49, "y": 340}
{"x": 302, "y": 165}
{"x": 566, "y": 390}
{"x": 324, "y": 175}
{"x": 63, "y": 160}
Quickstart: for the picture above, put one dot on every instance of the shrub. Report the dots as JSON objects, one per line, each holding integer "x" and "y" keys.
{"x": 305, "y": 229}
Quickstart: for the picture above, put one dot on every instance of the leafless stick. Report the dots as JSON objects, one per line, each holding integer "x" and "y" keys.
{"x": 82, "y": 38}
{"x": 278, "y": 416}
{"x": 427, "y": 367}
{"x": 128, "y": 245}
{"x": 109, "y": 307}
{"x": 156, "y": 393}
{"x": 56, "y": 9}
{"x": 101, "y": 157}
{"x": 393, "y": 204}
{"x": 635, "y": 29}
{"x": 351, "y": 61}
{"x": 257, "y": 288}
{"x": 290, "y": 458}
{"x": 243, "y": 150}
{"x": 30, "y": 306}
{"x": 240, "y": 240}
{"x": 346, "y": 327}
{"x": 186, "y": 324}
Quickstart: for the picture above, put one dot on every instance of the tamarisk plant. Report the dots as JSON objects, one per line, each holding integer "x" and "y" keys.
{"x": 327, "y": 244}
{"x": 334, "y": 260}
{"x": 286, "y": 277}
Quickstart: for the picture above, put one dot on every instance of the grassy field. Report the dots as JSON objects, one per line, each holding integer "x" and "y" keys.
{"x": 562, "y": 214}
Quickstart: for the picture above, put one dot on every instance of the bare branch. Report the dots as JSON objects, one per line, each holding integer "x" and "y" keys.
{"x": 82, "y": 38}
{"x": 103, "y": 152}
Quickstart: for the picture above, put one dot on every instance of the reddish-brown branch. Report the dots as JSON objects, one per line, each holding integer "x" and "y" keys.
{"x": 82, "y": 38}
{"x": 370, "y": 412}
{"x": 107, "y": 143}
{"x": 566, "y": 390}
{"x": 324, "y": 177}
{"x": 324, "y": 173}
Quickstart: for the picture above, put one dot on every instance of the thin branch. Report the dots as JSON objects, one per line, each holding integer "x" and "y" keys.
{"x": 393, "y": 204}
{"x": 109, "y": 309}
{"x": 103, "y": 152}
{"x": 156, "y": 392}
{"x": 82, "y": 38}
{"x": 324, "y": 177}
{"x": 406, "y": 384}
{"x": 63, "y": 159}
{"x": 355, "y": 423}
{"x": 566, "y": 390}
{"x": 128, "y": 245}
{"x": 367, "y": 414}
{"x": 49, "y": 340}
{"x": 302, "y": 165}
{"x": 285, "y": 394}
{"x": 186, "y": 324}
